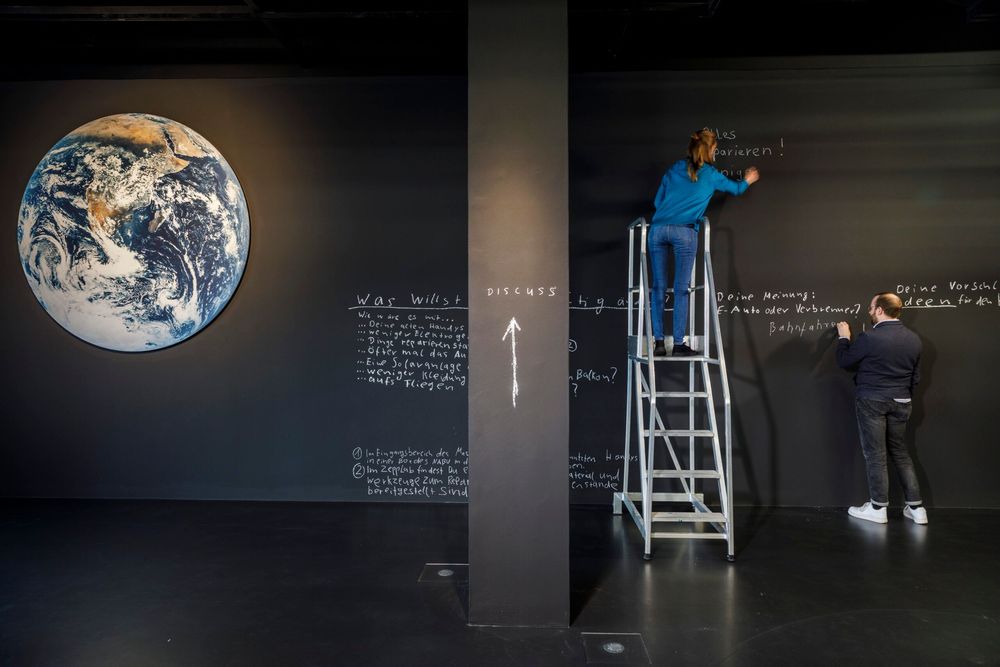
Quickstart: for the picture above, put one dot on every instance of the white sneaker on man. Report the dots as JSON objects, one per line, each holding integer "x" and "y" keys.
{"x": 868, "y": 512}
{"x": 918, "y": 514}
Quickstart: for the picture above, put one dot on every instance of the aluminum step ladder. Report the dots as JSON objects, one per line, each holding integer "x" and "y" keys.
{"x": 699, "y": 521}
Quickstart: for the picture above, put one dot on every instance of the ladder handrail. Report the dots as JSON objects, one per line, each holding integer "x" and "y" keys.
{"x": 712, "y": 305}
{"x": 723, "y": 370}
{"x": 646, "y": 309}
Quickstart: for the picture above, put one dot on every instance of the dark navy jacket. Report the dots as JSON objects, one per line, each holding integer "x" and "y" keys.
{"x": 887, "y": 359}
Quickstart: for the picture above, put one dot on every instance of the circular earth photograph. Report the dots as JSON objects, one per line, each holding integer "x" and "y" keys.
{"x": 133, "y": 232}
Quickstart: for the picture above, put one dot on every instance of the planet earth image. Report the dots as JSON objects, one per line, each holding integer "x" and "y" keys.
{"x": 133, "y": 232}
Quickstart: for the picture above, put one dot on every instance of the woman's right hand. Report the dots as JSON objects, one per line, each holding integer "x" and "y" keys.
{"x": 751, "y": 175}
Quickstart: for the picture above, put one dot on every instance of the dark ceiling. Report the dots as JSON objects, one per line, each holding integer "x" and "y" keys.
{"x": 46, "y": 38}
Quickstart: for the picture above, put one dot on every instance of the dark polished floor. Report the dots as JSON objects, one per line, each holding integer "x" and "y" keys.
{"x": 187, "y": 583}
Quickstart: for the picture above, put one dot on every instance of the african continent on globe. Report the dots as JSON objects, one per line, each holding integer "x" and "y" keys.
{"x": 133, "y": 232}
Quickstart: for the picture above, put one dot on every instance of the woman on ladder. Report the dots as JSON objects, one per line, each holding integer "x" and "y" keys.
{"x": 680, "y": 203}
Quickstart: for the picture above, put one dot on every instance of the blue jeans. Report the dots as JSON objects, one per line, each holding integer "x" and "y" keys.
{"x": 684, "y": 240}
{"x": 882, "y": 425}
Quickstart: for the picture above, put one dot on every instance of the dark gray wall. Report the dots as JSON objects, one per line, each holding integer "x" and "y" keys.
{"x": 518, "y": 323}
{"x": 358, "y": 186}
{"x": 875, "y": 173}
{"x": 355, "y": 187}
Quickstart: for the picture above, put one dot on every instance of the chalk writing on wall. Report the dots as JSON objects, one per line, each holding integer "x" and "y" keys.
{"x": 598, "y": 471}
{"x": 412, "y": 473}
{"x": 422, "y": 346}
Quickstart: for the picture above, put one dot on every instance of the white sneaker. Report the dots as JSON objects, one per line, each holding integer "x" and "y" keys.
{"x": 869, "y": 513}
{"x": 918, "y": 514}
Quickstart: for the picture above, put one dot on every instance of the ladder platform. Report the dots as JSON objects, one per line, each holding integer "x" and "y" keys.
{"x": 687, "y": 474}
{"x": 638, "y": 349}
{"x": 678, "y": 432}
{"x": 677, "y": 394}
{"x": 689, "y": 517}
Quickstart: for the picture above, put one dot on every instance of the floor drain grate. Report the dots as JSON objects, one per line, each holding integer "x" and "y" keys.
{"x": 447, "y": 573}
{"x": 614, "y": 648}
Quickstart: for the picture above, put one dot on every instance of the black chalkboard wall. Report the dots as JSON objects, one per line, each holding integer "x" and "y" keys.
{"x": 356, "y": 189}
{"x": 872, "y": 178}
{"x": 338, "y": 370}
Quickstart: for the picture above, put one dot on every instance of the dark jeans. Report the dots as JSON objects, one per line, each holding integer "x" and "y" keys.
{"x": 684, "y": 241}
{"x": 882, "y": 425}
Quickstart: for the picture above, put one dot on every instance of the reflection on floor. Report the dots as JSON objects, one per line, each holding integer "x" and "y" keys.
{"x": 199, "y": 583}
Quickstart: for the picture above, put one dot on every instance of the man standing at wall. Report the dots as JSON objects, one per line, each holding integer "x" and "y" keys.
{"x": 886, "y": 360}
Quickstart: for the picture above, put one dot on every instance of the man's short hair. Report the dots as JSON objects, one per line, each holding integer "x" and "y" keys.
{"x": 890, "y": 304}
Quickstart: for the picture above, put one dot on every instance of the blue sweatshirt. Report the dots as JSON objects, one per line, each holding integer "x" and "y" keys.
{"x": 679, "y": 201}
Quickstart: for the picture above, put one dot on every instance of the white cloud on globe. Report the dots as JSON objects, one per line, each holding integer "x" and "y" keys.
{"x": 133, "y": 232}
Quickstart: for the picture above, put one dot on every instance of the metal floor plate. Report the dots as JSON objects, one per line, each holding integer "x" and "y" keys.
{"x": 615, "y": 648}
{"x": 444, "y": 573}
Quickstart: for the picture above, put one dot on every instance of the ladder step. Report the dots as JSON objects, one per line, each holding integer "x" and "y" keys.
{"x": 675, "y": 517}
{"x": 645, "y": 360}
{"x": 672, "y": 432}
{"x": 689, "y": 536}
{"x": 678, "y": 394}
{"x": 687, "y": 474}
{"x": 636, "y": 496}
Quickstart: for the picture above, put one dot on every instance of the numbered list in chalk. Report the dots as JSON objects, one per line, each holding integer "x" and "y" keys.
{"x": 410, "y": 472}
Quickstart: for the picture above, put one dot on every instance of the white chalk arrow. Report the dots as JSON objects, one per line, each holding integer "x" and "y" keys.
{"x": 512, "y": 327}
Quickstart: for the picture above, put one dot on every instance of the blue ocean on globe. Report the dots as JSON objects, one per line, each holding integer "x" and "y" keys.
{"x": 133, "y": 232}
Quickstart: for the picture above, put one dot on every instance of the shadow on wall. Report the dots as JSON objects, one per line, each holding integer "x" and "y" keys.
{"x": 837, "y": 389}
{"x": 928, "y": 359}
{"x": 741, "y": 454}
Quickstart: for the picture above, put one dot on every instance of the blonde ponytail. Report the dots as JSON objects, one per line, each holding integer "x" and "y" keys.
{"x": 701, "y": 149}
